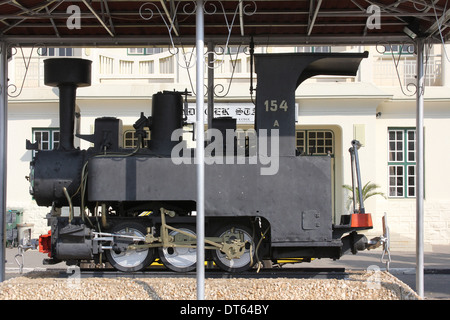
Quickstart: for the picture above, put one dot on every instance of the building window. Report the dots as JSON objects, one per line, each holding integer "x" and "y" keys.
{"x": 315, "y": 142}
{"x": 402, "y": 162}
{"x": 130, "y": 139}
{"x": 322, "y": 49}
{"x": 154, "y": 50}
{"x": 144, "y": 51}
{"x": 48, "y": 138}
{"x": 136, "y": 51}
{"x": 60, "y": 52}
{"x": 397, "y": 49}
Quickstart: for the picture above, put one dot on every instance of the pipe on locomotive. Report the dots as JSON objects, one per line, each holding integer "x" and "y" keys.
{"x": 67, "y": 74}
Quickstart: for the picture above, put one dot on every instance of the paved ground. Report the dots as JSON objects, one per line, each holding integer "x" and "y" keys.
{"x": 437, "y": 267}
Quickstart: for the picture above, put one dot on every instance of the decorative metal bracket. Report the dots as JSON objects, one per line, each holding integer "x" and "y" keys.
{"x": 148, "y": 9}
{"x": 188, "y": 58}
{"x": 219, "y": 87}
{"x": 13, "y": 90}
{"x": 241, "y": 9}
{"x": 408, "y": 89}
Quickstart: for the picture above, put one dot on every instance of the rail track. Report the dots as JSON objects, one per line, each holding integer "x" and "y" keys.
{"x": 293, "y": 273}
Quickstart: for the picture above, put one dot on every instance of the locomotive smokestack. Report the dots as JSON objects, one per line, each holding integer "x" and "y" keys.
{"x": 67, "y": 74}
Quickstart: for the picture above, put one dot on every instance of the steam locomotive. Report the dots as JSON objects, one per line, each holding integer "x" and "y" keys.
{"x": 263, "y": 200}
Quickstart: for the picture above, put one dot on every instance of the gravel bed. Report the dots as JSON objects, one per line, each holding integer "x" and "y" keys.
{"x": 361, "y": 285}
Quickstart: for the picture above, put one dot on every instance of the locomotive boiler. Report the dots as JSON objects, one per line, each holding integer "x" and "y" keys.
{"x": 263, "y": 200}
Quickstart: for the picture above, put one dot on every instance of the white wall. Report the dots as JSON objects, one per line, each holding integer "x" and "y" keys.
{"x": 22, "y": 118}
{"x": 402, "y": 212}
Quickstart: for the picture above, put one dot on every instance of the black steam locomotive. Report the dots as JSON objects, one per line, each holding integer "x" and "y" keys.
{"x": 263, "y": 200}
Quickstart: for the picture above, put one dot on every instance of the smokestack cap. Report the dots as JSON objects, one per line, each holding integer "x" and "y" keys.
{"x": 67, "y": 71}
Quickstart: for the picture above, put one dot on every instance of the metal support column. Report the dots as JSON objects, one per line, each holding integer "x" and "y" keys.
{"x": 200, "y": 152}
{"x": 419, "y": 169}
{"x": 3, "y": 151}
{"x": 210, "y": 85}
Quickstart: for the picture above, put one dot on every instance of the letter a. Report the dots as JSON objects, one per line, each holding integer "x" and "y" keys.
{"x": 74, "y": 21}
{"x": 373, "y": 22}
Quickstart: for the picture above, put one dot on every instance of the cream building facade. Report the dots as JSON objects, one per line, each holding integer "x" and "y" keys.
{"x": 376, "y": 107}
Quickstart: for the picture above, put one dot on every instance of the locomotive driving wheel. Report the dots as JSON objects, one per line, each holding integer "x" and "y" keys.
{"x": 180, "y": 258}
{"x": 129, "y": 260}
{"x": 247, "y": 257}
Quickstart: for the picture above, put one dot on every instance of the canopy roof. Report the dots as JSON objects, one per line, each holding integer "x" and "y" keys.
{"x": 292, "y": 22}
